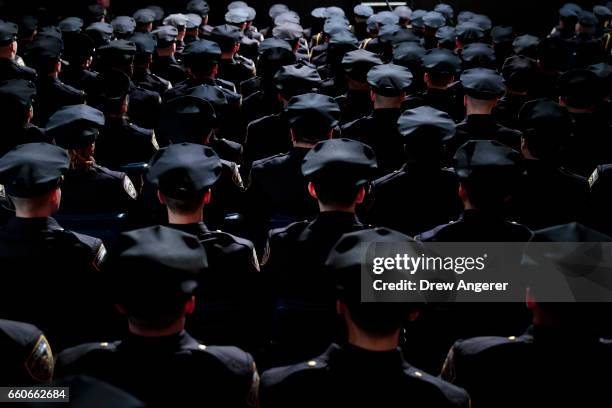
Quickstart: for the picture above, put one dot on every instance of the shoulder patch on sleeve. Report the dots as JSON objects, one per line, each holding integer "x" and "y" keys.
{"x": 39, "y": 363}
{"x": 266, "y": 255}
{"x": 255, "y": 261}
{"x": 99, "y": 258}
{"x": 594, "y": 177}
{"x": 129, "y": 188}
{"x": 236, "y": 177}
{"x": 154, "y": 141}
{"x": 253, "y": 395}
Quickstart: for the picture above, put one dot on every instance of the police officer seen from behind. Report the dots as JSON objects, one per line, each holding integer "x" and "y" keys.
{"x": 357, "y": 102}
{"x": 580, "y": 91}
{"x": 9, "y": 69}
{"x": 388, "y": 86}
{"x": 487, "y": 171}
{"x": 233, "y": 67}
{"x": 44, "y": 54}
{"x": 88, "y": 188}
{"x": 441, "y": 68}
{"x": 420, "y": 187}
{"x": 270, "y": 134}
{"x": 120, "y": 141}
{"x": 144, "y": 104}
{"x": 368, "y": 369}
{"x": 338, "y": 172}
{"x": 519, "y": 73}
{"x": 277, "y": 193}
{"x": 184, "y": 174}
{"x": 143, "y": 77}
{"x": 178, "y": 21}
{"x": 155, "y": 273}
{"x": 191, "y": 119}
{"x": 260, "y": 95}
{"x": 164, "y": 62}
{"x": 201, "y": 59}
{"x": 17, "y": 101}
{"x": 492, "y": 369}
{"x": 586, "y": 45}
{"x": 546, "y": 194}
{"x": 52, "y": 267}
{"x": 79, "y": 51}
{"x": 483, "y": 89}
{"x": 144, "y": 19}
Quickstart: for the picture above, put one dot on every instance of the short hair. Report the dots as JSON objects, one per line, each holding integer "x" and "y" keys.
{"x": 488, "y": 192}
{"x": 312, "y": 134}
{"x": 31, "y": 203}
{"x": 202, "y": 69}
{"x": 336, "y": 193}
{"x": 379, "y": 318}
{"x": 113, "y": 105}
{"x": 542, "y": 147}
{"x": 157, "y": 315}
{"x": 45, "y": 66}
{"x": 184, "y": 206}
{"x": 439, "y": 79}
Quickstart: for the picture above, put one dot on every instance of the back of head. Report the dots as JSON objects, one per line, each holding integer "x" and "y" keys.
{"x": 390, "y": 80}
{"x": 296, "y": 79}
{"x": 16, "y": 97}
{"x": 154, "y": 272}
{"x": 110, "y": 92}
{"x": 312, "y": 116}
{"x": 487, "y": 170}
{"x": 346, "y": 262}
{"x": 44, "y": 53}
{"x": 118, "y": 55}
{"x": 32, "y": 170}
{"x": 519, "y": 73}
{"x": 201, "y": 56}
{"x": 274, "y": 54}
{"x": 579, "y": 89}
{"x": 339, "y": 168}
{"x": 183, "y": 173}
{"x": 578, "y": 255}
{"x": 187, "y": 119}
{"x": 483, "y": 84}
{"x": 227, "y": 36}
{"x": 424, "y": 129}
{"x": 546, "y": 127}
{"x": 76, "y": 128}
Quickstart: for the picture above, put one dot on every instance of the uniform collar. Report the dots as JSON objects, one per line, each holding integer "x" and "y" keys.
{"x": 193, "y": 229}
{"x": 480, "y": 119}
{"x": 437, "y": 92}
{"x": 298, "y": 153}
{"x": 33, "y": 224}
{"x": 350, "y": 355}
{"x": 336, "y": 218}
{"x": 386, "y": 113}
{"x": 478, "y": 215}
{"x": 176, "y": 341}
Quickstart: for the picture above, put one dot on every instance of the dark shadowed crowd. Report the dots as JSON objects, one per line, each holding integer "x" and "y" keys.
{"x": 185, "y": 204}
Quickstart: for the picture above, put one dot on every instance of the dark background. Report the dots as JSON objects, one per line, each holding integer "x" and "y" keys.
{"x": 535, "y": 16}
